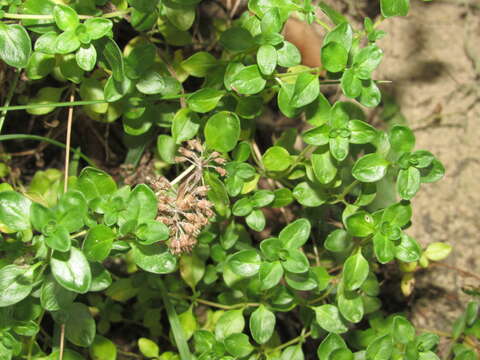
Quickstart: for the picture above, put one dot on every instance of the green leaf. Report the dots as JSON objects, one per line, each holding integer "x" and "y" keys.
{"x": 238, "y": 345}
{"x": 342, "y": 34}
{"x": 142, "y": 205}
{"x": 152, "y": 83}
{"x": 166, "y": 148}
{"x": 185, "y": 125}
{"x": 256, "y": 220}
{"x": 307, "y": 88}
{"x": 222, "y": 131}
{"x": 110, "y": 51}
{"x": 408, "y": 182}
{"x": 154, "y": 258}
{"x": 370, "y": 168}
{"x": 16, "y": 284}
{"x": 339, "y": 148}
{"x": 334, "y": 57}
{"x": 272, "y": 21}
{"x": 182, "y": 18}
{"x": 277, "y": 158}
{"x": 267, "y": 59}
{"x": 269, "y": 275}
{"x": 53, "y": 296}
{"x": 199, "y": 64}
{"x": 151, "y": 232}
{"x": 361, "y": 132}
{"x": 383, "y": 247}
{"x": 403, "y": 330}
{"x": 398, "y": 214}
{"x": 148, "y": 348}
{"x": 242, "y": 207}
{"x": 39, "y": 7}
{"x": 293, "y": 352}
{"x": 284, "y": 100}
{"x": 288, "y": 55}
{"x": 351, "y": 83}
{"x": 103, "y": 349}
{"x": 237, "y": 39}
{"x": 366, "y": 61}
{"x": 14, "y": 212}
{"x": 355, "y": 272}
{"x": 309, "y": 195}
{"x": 370, "y": 96}
{"x": 231, "y": 322}
{"x": 294, "y": 261}
{"x": 433, "y": 173}
{"x": 351, "y": 307}
{"x": 338, "y": 241}
{"x": 394, "y": 7}
{"x": 401, "y": 138}
{"x": 331, "y": 343}
{"x": 295, "y": 234}
{"x": 218, "y": 194}
{"x": 58, "y": 238}
{"x": 323, "y": 165}
{"x": 94, "y": 183}
{"x": 333, "y": 15}
{"x": 317, "y": 136}
{"x": 408, "y": 250}
{"x": 438, "y": 251}
{"x": 86, "y": 57}
{"x": 71, "y": 270}
{"x": 262, "y": 198}
{"x": 65, "y": 17}
{"x": 248, "y": 81}
{"x": 67, "y": 42}
{"x": 328, "y": 317}
{"x": 15, "y": 45}
{"x": 360, "y": 224}
{"x": 40, "y": 65}
{"x": 204, "y": 100}
{"x": 101, "y": 278}
{"x": 98, "y": 243}
{"x": 79, "y": 324}
{"x": 192, "y": 269}
{"x": 471, "y": 313}
{"x": 283, "y": 197}
{"x": 262, "y": 324}
{"x": 381, "y": 348}
{"x": 98, "y": 27}
{"x": 244, "y": 263}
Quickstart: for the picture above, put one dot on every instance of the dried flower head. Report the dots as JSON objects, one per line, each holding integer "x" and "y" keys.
{"x": 185, "y": 209}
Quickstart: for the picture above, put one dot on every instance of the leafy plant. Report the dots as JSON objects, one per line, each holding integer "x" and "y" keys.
{"x": 252, "y": 250}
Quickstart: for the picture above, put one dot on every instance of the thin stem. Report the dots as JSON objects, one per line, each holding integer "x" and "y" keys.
{"x": 130, "y": 354}
{"x": 68, "y": 140}
{"x": 460, "y": 271}
{"x": 79, "y": 234}
{"x": 322, "y": 24}
{"x": 298, "y": 339}
{"x": 300, "y": 157}
{"x": 53, "y": 104}
{"x": 182, "y": 175}
{"x": 62, "y": 341}
{"x": 45, "y": 139}
{"x": 113, "y": 14}
{"x": 11, "y": 90}
{"x": 32, "y": 339}
{"x": 174, "y": 321}
{"x": 214, "y": 304}
{"x": 348, "y": 189}
{"x": 293, "y": 73}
